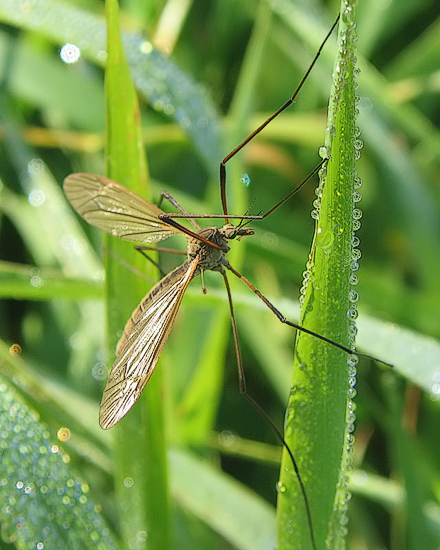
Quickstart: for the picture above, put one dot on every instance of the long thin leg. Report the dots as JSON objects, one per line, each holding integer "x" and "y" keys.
{"x": 260, "y": 128}
{"x": 171, "y": 215}
{"x": 297, "y": 188}
{"x": 295, "y": 325}
{"x": 257, "y": 216}
{"x": 165, "y": 195}
{"x": 251, "y": 400}
{"x": 141, "y": 248}
{"x": 128, "y": 266}
{"x": 183, "y": 229}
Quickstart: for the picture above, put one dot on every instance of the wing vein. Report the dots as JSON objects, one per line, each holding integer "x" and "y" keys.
{"x": 115, "y": 209}
{"x": 142, "y": 342}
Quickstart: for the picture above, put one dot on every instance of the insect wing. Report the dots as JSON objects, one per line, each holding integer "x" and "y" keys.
{"x": 115, "y": 209}
{"x": 142, "y": 343}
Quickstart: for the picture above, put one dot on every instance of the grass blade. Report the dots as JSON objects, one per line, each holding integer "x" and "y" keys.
{"x": 316, "y": 417}
{"x": 140, "y": 458}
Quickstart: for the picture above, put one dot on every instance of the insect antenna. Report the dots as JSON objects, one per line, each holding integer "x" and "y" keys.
{"x": 245, "y": 221}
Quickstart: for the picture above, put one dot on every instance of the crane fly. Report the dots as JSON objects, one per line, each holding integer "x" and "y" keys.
{"x": 122, "y": 213}
{"x": 115, "y": 209}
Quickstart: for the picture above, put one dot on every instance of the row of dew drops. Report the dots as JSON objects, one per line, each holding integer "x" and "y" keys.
{"x": 43, "y": 504}
{"x": 344, "y": 495}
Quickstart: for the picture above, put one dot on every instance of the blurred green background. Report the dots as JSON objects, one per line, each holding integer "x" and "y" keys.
{"x": 198, "y": 102}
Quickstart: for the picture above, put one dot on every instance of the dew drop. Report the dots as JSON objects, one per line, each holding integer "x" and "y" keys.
{"x": 281, "y": 488}
{"x": 128, "y": 482}
{"x": 331, "y": 131}
{"x": 325, "y": 240}
{"x": 346, "y": 14}
{"x": 63, "y": 434}
{"x": 353, "y": 296}
{"x": 352, "y": 313}
{"x": 356, "y": 254}
{"x": 352, "y": 330}
{"x": 357, "y": 214}
{"x": 352, "y": 372}
{"x": 227, "y": 438}
{"x": 357, "y": 197}
{"x": 70, "y": 53}
{"x": 36, "y": 197}
{"x": 146, "y": 47}
{"x": 100, "y": 371}
{"x": 245, "y": 179}
{"x": 35, "y": 166}
{"x": 15, "y": 349}
{"x": 435, "y": 392}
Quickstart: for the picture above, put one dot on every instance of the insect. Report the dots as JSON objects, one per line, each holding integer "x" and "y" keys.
{"x": 120, "y": 212}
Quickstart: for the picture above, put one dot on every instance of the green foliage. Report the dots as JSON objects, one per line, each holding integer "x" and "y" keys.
{"x": 320, "y": 378}
{"x": 52, "y": 118}
{"x": 140, "y": 469}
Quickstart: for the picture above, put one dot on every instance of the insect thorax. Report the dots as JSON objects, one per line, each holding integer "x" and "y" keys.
{"x": 210, "y": 257}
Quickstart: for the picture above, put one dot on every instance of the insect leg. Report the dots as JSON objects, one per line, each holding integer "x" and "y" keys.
{"x": 262, "y": 412}
{"x": 165, "y": 195}
{"x": 169, "y": 220}
{"x": 141, "y": 248}
{"x": 262, "y": 126}
{"x": 128, "y": 266}
{"x": 297, "y": 188}
{"x": 295, "y": 325}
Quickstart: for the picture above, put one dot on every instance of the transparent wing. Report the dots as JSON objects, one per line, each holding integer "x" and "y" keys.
{"x": 115, "y": 209}
{"x": 142, "y": 343}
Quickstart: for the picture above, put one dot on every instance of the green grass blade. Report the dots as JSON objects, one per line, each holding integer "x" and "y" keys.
{"x": 231, "y": 509}
{"x": 31, "y": 283}
{"x": 316, "y": 422}
{"x": 140, "y": 458}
